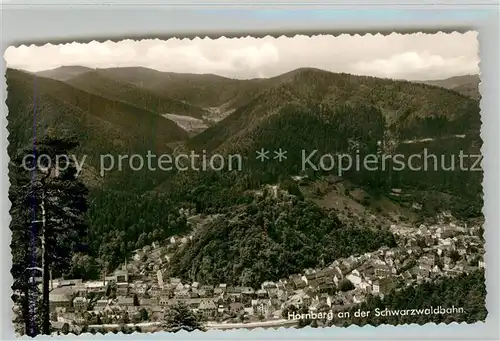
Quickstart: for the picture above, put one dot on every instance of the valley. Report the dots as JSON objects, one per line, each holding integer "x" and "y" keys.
{"x": 287, "y": 236}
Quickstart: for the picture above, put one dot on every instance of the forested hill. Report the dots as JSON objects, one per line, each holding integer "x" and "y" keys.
{"x": 467, "y": 85}
{"x": 410, "y": 110}
{"x": 311, "y": 109}
{"x": 270, "y": 239}
{"x": 134, "y": 120}
{"x": 114, "y": 86}
{"x": 327, "y": 130}
{"x": 136, "y": 95}
{"x": 102, "y": 126}
{"x": 202, "y": 90}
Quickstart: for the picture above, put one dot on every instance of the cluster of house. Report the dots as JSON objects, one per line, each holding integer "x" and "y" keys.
{"x": 148, "y": 260}
{"x": 447, "y": 249}
{"x": 422, "y": 255}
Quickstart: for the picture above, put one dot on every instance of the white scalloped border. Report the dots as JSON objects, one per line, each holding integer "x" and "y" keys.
{"x": 236, "y": 36}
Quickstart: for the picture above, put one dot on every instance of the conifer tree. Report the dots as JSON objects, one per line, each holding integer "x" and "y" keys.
{"x": 48, "y": 227}
{"x": 179, "y": 317}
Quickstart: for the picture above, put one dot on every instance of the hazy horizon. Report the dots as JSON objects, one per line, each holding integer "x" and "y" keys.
{"x": 214, "y": 74}
{"x": 414, "y": 57}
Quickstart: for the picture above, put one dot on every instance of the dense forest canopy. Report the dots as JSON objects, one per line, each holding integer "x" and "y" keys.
{"x": 270, "y": 239}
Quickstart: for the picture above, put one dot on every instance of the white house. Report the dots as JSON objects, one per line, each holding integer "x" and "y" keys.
{"x": 355, "y": 277}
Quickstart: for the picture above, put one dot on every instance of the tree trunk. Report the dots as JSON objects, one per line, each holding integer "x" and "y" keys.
{"x": 46, "y": 276}
{"x": 26, "y": 311}
{"x": 45, "y": 297}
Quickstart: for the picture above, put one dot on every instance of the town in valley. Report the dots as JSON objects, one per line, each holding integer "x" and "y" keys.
{"x": 137, "y": 294}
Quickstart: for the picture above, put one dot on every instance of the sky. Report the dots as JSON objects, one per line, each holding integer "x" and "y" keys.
{"x": 400, "y": 56}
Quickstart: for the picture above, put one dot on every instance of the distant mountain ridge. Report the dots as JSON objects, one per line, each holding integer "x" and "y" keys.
{"x": 96, "y": 81}
{"x": 260, "y": 111}
{"x": 467, "y": 85}
{"x": 406, "y": 106}
{"x": 200, "y": 95}
{"x": 64, "y": 73}
{"x": 182, "y": 85}
{"x": 103, "y": 125}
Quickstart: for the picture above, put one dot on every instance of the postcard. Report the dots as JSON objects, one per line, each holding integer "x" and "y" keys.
{"x": 242, "y": 183}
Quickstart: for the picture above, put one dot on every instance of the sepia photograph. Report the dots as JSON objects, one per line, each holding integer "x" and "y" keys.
{"x": 242, "y": 183}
